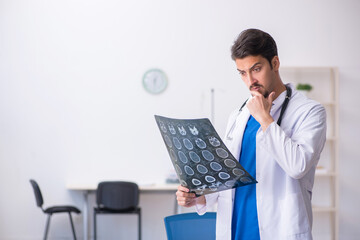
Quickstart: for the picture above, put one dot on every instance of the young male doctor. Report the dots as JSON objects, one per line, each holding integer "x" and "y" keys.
{"x": 278, "y": 136}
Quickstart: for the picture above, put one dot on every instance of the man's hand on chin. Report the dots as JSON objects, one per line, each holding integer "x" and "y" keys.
{"x": 260, "y": 107}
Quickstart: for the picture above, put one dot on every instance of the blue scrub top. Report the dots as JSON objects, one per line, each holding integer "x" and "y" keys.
{"x": 245, "y": 224}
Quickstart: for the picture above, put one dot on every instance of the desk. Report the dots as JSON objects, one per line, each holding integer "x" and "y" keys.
{"x": 86, "y": 189}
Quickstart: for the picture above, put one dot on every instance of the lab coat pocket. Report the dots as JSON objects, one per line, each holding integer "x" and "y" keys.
{"x": 293, "y": 219}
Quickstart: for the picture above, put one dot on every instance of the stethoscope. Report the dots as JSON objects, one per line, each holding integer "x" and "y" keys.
{"x": 229, "y": 136}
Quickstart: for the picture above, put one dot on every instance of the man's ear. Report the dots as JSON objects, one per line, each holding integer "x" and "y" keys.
{"x": 275, "y": 62}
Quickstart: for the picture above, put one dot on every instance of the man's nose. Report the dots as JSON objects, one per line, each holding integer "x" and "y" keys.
{"x": 251, "y": 79}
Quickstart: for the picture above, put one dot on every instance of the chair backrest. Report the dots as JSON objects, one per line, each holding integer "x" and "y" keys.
{"x": 189, "y": 226}
{"x": 37, "y": 192}
{"x": 117, "y": 195}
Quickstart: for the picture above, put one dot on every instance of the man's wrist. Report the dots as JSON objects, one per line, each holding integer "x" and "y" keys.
{"x": 201, "y": 200}
{"x": 265, "y": 123}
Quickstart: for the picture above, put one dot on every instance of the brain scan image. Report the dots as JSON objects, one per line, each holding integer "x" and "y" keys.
{"x": 183, "y": 183}
{"x": 238, "y": 172}
{"x": 194, "y": 157}
{"x": 201, "y": 169}
{"x": 189, "y": 170}
{"x": 214, "y": 186}
{"x": 215, "y": 166}
{"x": 182, "y": 130}
{"x": 196, "y": 182}
{"x": 188, "y": 144}
{"x": 230, "y": 163}
{"x": 193, "y": 130}
{"x": 245, "y": 179}
{"x": 168, "y": 141}
{"x": 210, "y": 179}
{"x": 178, "y": 169}
{"x": 173, "y": 155}
{"x": 207, "y": 155}
{"x": 162, "y": 127}
{"x": 172, "y": 129}
{"x": 182, "y": 157}
{"x": 214, "y": 141}
{"x": 177, "y": 143}
{"x": 200, "y": 143}
{"x": 230, "y": 183}
{"x": 201, "y": 160}
{"x": 224, "y": 175}
{"x": 221, "y": 153}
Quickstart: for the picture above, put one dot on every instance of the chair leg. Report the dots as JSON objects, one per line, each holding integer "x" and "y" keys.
{"x": 139, "y": 224}
{"x": 72, "y": 226}
{"x": 94, "y": 225}
{"x": 47, "y": 227}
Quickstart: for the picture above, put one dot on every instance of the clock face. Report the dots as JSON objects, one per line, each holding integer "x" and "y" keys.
{"x": 155, "y": 81}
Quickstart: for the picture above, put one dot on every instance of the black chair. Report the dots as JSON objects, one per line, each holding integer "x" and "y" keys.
{"x": 117, "y": 198}
{"x": 51, "y": 210}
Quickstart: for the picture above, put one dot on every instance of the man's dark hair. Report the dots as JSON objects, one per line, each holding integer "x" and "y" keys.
{"x": 254, "y": 42}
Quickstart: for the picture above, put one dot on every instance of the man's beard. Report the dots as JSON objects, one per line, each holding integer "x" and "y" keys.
{"x": 265, "y": 94}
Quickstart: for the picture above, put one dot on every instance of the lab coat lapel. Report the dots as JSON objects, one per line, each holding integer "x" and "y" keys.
{"x": 234, "y": 144}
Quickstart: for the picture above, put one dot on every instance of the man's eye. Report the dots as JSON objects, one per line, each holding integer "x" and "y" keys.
{"x": 257, "y": 69}
{"x": 242, "y": 73}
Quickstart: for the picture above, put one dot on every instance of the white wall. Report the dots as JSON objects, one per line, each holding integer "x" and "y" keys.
{"x": 73, "y": 108}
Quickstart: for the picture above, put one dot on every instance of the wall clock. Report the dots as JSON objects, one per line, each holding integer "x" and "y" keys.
{"x": 155, "y": 81}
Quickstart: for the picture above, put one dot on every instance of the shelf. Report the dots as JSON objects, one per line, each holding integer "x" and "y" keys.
{"x": 324, "y": 173}
{"x": 329, "y": 104}
{"x": 325, "y": 83}
{"x": 323, "y": 209}
{"x": 331, "y": 138}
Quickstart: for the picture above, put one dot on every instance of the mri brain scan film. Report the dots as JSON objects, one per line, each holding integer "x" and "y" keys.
{"x": 201, "y": 160}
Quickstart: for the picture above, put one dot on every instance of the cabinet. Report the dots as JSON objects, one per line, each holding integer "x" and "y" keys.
{"x": 325, "y": 198}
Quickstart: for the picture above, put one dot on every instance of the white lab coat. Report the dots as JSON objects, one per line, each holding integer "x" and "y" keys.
{"x": 286, "y": 158}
